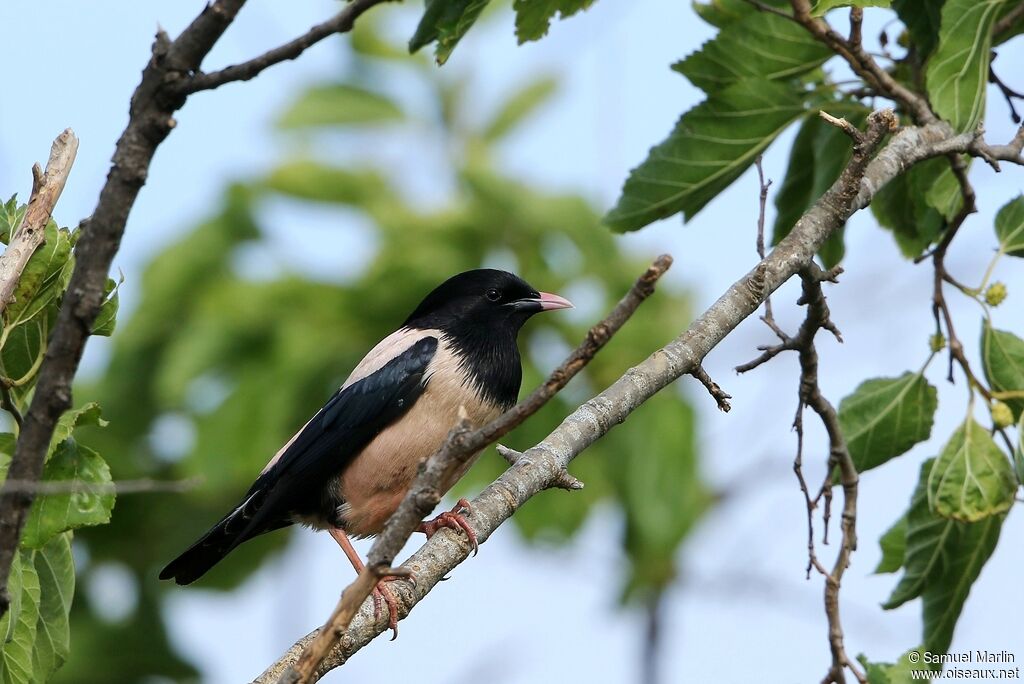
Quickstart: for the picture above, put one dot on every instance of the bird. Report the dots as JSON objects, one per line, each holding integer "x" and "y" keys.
{"x": 349, "y": 467}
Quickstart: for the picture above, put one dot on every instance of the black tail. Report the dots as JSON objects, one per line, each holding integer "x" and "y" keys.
{"x": 233, "y": 529}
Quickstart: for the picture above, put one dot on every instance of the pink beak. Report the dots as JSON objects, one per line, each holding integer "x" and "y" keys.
{"x": 550, "y": 302}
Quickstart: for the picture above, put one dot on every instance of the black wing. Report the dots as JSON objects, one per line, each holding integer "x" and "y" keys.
{"x": 321, "y": 450}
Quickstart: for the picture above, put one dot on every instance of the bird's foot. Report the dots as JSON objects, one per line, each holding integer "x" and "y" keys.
{"x": 383, "y": 596}
{"x": 455, "y": 520}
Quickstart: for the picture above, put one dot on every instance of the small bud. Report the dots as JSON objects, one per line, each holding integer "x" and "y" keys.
{"x": 937, "y": 342}
{"x": 1002, "y": 416}
{"x": 995, "y": 294}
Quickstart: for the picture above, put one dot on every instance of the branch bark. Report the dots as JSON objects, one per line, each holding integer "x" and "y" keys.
{"x": 542, "y": 465}
{"x": 161, "y": 92}
{"x": 31, "y": 234}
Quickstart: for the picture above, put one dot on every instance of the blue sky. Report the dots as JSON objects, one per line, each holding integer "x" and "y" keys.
{"x": 742, "y": 608}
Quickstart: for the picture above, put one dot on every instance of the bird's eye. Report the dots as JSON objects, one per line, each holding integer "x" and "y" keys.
{"x": 493, "y": 295}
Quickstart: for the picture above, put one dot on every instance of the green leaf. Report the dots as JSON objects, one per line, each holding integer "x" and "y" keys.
{"x": 958, "y": 71}
{"x": 923, "y": 20}
{"x": 339, "y": 105}
{"x": 519, "y": 106}
{"x": 446, "y": 21}
{"x": 894, "y": 547}
{"x": 819, "y": 154}
{"x": 88, "y": 415}
{"x": 23, "y": 349}
{"x": 758, "y": 46}
{"x": 1002, "y": 358}
{"x": 56, "y": 571}
{"x": 885, "y": 417}
{"x": 711, "y": 145}
{"x": 10, "y": 218}
{"x": 51, "y": 514}
{"x": 313, "y": 180}
{"x": 891, "y": 673}
{"x": 723, "y": 13}
{"x": 1010, "y": 227}
{"x": 43, "y": 279}
{"x": 944, "y": 558}
{"x": 823, "y": 6}
{"x": 944, "y": 599}
{"x": 16, "y": 663}
{"x": 903, "y": 206}
{"x": 929, "y": 541}
{"x": 107, "y": 317}
{"x": 533, "y": 17}
{"x": 972, "y": 478}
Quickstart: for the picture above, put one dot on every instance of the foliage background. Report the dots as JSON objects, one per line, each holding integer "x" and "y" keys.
{"x": 741, "y": 581}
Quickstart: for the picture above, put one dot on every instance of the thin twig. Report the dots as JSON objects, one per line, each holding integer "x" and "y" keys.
{"x": 1009, "y": 94}
{"x": 461, "y": 445}
{"x": 863, "y": 64}
{"x": 716, "y": 392}
{"x": 340, "y": 23}
{"x": 140, "y": 486}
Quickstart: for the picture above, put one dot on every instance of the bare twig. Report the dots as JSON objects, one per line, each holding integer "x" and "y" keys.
{"x": 862, "y": 63}
{"x": 716, "y": 392}
{"x": 818, "y": 318}
{"x": 768, "y": 317}
{"x": 47, "y": 187}
{"x": 462, "y": 444}
{"x": 540, "y": 465}
{"x": 141, "y": 486}
{"x": 340, "y": 23}
{"x": 563, "y": 480}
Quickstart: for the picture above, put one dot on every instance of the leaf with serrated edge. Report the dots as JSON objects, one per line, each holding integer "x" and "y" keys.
{"x": 760, "y": 45}
{"x": 972, "y": 478}
{"x": 885, "y": 417}
{"x": 52, "y": 514}
{"x": 958, "y": 70}
{"x": 710, "y": 146}
{"x": 533, "y": 17}
{"x": 89, "y": 414}
{"x": 1002, "y": 359}
{"x": 1010, "y": 227}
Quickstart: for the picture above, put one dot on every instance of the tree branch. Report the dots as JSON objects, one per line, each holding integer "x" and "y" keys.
{"x": 542, "y": 465}
{"x": 342, "y": 22}
{"x": 29, "y": 236}
{"x": 862, "y": 63}
{"x": 461, "y": 446}
{"x": 158, "y": 96}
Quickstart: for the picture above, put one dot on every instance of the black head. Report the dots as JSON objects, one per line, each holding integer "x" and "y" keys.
{"x": 485, "y": 300}
{"x": 480, "y": 312}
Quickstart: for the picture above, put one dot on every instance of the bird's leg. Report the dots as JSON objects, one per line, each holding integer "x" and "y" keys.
{"x": 381, "y": 593}
{"x": 455, "y": 520}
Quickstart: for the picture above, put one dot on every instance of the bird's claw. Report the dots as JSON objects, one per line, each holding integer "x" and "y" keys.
{"x": 455, "y": 520}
